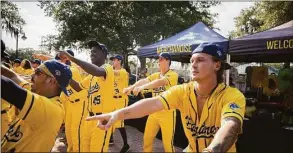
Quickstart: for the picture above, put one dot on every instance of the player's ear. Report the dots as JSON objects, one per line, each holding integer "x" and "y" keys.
{"x": 217, "y": 66}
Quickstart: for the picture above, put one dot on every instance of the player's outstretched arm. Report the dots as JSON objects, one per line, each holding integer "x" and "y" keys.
{"x": 137, "y": 110}
{"x": 9, "y": 90}
{"x": 87, "y": 67}
{"x": 136, "y": 84}
{"x": 11, "y": 75}
{"x": 151, "y": 85}
{"x": 226, "y": 135}
{"x": 75, "y": 85}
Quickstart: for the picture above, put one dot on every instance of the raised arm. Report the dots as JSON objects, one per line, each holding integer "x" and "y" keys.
{"x": 87, "y": 67}
{"x": 75, "y": 85}
{"x": 151, "y": 85}
{"x": 11, "y": 75}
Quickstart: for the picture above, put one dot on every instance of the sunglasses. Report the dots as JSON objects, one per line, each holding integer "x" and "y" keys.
{"x": 39, "y": 72}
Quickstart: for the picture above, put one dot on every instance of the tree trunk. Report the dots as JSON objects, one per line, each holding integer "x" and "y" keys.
{"x": 142, "y": 63}
{"x": 125, "y": 61}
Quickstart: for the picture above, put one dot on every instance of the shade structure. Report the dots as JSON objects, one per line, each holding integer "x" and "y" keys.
{"x": 273, "y": 45}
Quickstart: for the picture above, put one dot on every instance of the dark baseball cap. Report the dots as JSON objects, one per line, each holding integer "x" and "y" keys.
{"x": 17, "y": 61}
{"x": 69, "y": 51}
{"x": 37, "y": 61}
{"x": 58, "y": 70}
{"x": 3, "y": 48}
{"x": 97, "y": 44}
{"x": 213, "y": 50}
{"x": 166, "y": 56}
{"x": 119, "y": 57}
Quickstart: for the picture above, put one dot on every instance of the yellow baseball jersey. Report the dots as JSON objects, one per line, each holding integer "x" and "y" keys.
{"x": 171, "y": 76}
{"x": 27, "y": 72}
{"x": 9, "y": 112}
{"x": 73, "y": 96}
{"x": 224, "y": 101}
{"x": 36, "y": 126}
{"x": 100, "y": 91}
{"x": 18, "y": 69}
{"x": 121, "y": 80}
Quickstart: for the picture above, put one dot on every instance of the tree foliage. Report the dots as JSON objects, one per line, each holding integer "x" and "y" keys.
{"x": 24, "y": 53}
{"x": 262, "y": 16}
{"x": 124, "y": 25}
{"x": 11, "y": 21}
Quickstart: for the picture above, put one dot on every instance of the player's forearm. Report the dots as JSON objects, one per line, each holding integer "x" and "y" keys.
{"x": 226, "y": 135}
{"x": 140, "y": 109}
{"x": 88, "y": 67}
{"x": 11, "y": 75}
{"x": 75, "y": 85}
{"x": 154, "y": 84}
{"x": 140, "y": 83}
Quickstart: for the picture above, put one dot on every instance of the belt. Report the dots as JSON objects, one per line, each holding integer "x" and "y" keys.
{"x": 75, "y": 101}
{"x": 117, "y": 97}
{"x": 3, "y": 111}
{"x": 93, "y": 114}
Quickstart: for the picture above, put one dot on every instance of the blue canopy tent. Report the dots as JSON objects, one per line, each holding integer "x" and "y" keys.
{"x": 273, "y": 45}
{"x": 182, "y": 44}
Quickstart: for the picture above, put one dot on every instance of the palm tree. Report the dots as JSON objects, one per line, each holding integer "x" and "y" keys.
{"x": 12, "y": 22}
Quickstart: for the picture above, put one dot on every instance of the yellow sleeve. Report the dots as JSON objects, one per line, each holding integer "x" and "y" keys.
{"x": 25, "y": 85}
{"x": 152, "y": 77}
{"x": 85, "y": 83}
{"x": 234, "y": 105}
{"x": 172, "y": 98}
{"x": 75, "y": 74}
{"x": 38, "y": 110}
{"x": 109, "y": 72}
{"x": 172, "y": 78}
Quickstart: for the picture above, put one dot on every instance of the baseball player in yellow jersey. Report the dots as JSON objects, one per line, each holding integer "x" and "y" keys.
{"x": 120, "y": 99}
{"x": 100, "y": 86}
{"x": 73, "y": 105}
{"x": 41, "y": 113}
{"x": 211, "y": 112}
{"x": 16, "y": 66}
{"x": 166, "y": 119}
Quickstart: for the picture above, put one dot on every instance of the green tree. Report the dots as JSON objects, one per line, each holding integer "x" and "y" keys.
{"x": 11, "y": 21}
{"x": 124, "y": 25}
{"x": 24, "y": 53}
{"x": 262, "y": 16}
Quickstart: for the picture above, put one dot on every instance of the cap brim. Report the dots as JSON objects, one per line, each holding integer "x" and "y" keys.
{"x": 64, "y": 90}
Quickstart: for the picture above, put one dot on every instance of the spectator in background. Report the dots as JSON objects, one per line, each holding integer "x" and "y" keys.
{"x": 16, "y": 66}
{"x": 27, "y": 67}
{"x": 36, "y": 63}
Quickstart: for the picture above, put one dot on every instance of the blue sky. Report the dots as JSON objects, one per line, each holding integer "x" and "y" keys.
{"x": 39, "y": 25}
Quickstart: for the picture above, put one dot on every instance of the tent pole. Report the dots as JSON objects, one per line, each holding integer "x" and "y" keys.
{"x": 228, "y": 71}
{"x": 136, "y": 70}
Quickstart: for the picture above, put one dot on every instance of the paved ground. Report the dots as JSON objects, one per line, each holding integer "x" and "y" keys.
{"x": 135, "y": 140}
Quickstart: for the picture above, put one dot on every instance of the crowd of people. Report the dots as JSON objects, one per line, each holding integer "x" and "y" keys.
{"x": 91, "y": 100}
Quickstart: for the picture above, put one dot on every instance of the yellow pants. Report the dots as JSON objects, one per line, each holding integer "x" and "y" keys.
{"x": 94, "y": 139}
{"x": 120, "y": 103}
{"x": 166, "y": 120}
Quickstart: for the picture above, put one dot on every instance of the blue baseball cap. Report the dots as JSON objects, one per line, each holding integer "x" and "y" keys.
{"x": 69, "y": 51}
{"x": 119, "y": 57}
{"x": 17, "y": 61}
{"x": 213, "y": 50}
{"x": 97, "y": 44}
{"x": 166, "y": 56}
{"x": 37, "y": 61}
{"x": 58, "y": 70}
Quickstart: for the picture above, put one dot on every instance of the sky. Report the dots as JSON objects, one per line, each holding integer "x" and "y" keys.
{"x": 38, "y": 25}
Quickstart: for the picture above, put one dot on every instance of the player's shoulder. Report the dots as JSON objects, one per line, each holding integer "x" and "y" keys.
{"x": 231, "y": 92}
{"x": 172, "y": 72}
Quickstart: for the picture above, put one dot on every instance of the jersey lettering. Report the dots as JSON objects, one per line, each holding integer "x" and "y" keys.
{"x": 94, "y": 88}
{"x": 13, "y": 134}
{"x": 200, "y": 132}
{"x": 70, "y": 92}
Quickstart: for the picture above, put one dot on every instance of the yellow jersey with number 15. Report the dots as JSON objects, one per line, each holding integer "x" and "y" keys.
{"x": 100, "y": 91}
{"x": 224, "y": 102}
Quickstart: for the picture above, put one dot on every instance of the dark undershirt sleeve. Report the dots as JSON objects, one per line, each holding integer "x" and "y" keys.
{"x": 12, "y": 93}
